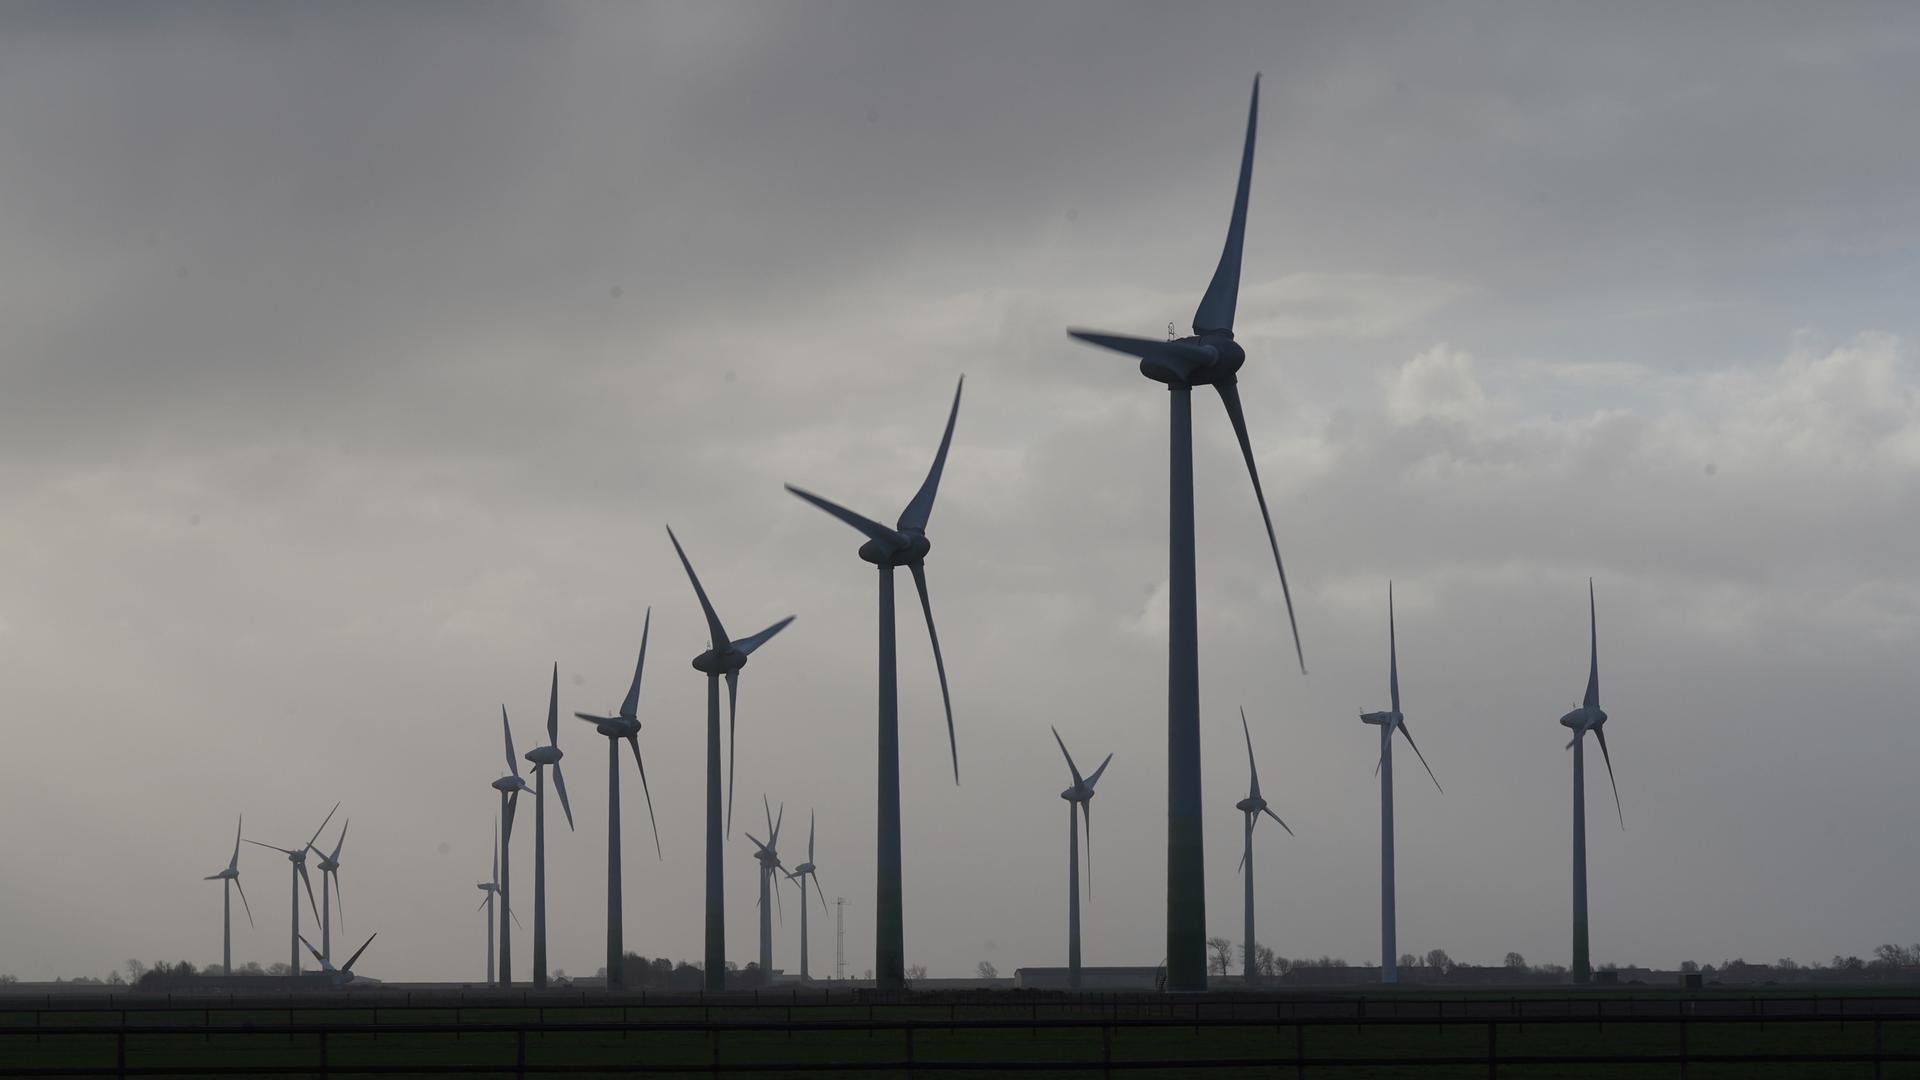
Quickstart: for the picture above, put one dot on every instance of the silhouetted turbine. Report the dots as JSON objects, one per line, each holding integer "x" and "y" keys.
{"x": 298, "y": 857}
{"x": 543, "y": 758}
{"x": 230, "y": 877}
{"x": 1079, "y": 799}
{"x": 800, "y": 875}
{"x": 1588, "y": 717}
{"x": 509, "y": 786}
{"x": 1251, "y": 808}
{"x": 1389, "y": 722}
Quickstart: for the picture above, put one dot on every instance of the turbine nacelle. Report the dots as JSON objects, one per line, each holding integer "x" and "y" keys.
{"x": 1208, "y": 357}
{"x": 724, "y": 661}
{"x": 544, "y": 755}
{"x": 1251, "y": 805}
{"x": 510, "y": 784}
{"x": 1584, "y": 719}
{"x": 1387, "y": 719}
{"x": 902, "y": 549}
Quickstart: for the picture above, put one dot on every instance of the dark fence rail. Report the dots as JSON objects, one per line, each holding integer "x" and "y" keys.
{"x": 1305, "y": 1030}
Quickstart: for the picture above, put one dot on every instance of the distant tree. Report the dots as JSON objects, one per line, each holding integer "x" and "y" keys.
{"x": 1893, "y": 956}
{"x": 1554, "y": 970}
{"x": 1222, "y": 954}
{"x": 114, "y": 979}
{"x": 1267, "y": 963}
{"x": 8, "y": 980}
{"x": 985, "y": 970}
{"x": 1516, "y": 962}
{"x": 1408, "y": 960}
{"x": 1439, "y": 960}
{"x": 1849, "y": 963}
{"x": 916, "y": 972}
{"x": 135, "y": 969}
{"x": 1786, "y": 963}
{"x": 279, "y": 969}
{"x": 1689, "y": 966}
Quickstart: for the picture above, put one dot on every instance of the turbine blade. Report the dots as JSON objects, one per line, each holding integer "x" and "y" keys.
{"x": 1393, "y": 657}
{"x": 1402, "y": 725}
{"x": 1177, "y": 357}
{"x": 308, "y": 882}
{"x": 560, "y": 785}
{"x": 809, "y": 836}
{"x": 513, "y": 804}
{"x": 630, "y": 707}
{"x": 1095, "y": 778}
{"x": 511, "y": 915}
{"x": 323, "y": 824}
{"x": 1230, "y": 396}
{"x": 939, "y": 664}
{"x": 348, "y": 966}
{"x": 718, "y": 632}
{"x": 234, "y": 863}
{"x": 1071, "y": 767}
{"x": 755, "y": 841}
{"x": 1601, "y": 734}
{"x": 342, "y": 842}
{"x": 1593, "y": 673}
{"x": 779, "y": 905}
{"x": 634, "y": 742}
{"x": 553, "y": 708}
{"x": 484, "y": 902}
{"x": 746, "y": 645}
{"x": 1086, "y": 811}
{"x": 1242, "y": 867}
{"x": 815, "y": 875}
{"x": 314, "y": 951}
{"x": 513, "y": 761}
{"x": 872, "y": 529}
{"x": 773, "y": 836}
{"x": 1223, "y": 293}
{"x": 496, "y": 854}
{"x": 774, "y": 839}
{"x": 281, "y": 850}
{"x": 243, "y": 900}
{"x": 1251, "y": 767}
{"x": 921, "y": 508}
{"x": 1268, "y": 810}
{"x": 339, "y": 898}
{"x": 733, "y": 699}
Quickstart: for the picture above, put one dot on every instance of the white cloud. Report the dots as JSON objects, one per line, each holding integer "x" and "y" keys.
{"x": 1439, "y": 382}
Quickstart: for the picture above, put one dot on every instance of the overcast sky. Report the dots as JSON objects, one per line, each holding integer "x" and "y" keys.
{"x": 355, "y": 355}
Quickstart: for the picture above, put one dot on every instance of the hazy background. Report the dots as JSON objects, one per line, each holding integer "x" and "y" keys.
{"x": 354, "y": 356}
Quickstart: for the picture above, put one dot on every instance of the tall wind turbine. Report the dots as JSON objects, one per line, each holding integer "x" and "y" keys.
{"x": 723, "y": 657}
{"x": 230, "y": 878}
{"x": 1210, "y": 357}
{"x": 1588, "y": 717}
{"x": 624, "y": 724}
{"x": 800, "y": 875}
{"x": 509, "y": 786}
{"x": 546, "y": 757}
{"x": 330, "y": 872}
{"x": 1079, "y": 800}
{"x": 905, "y": 545}
{"x": 768, "y": 856}
{"x": 298, "y": 857}
{"x": 1251, "y": 808}
{"x": 1389, "y": 722}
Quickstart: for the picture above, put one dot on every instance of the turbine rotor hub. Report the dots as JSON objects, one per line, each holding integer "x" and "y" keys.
{"x": 545, "y": 755}
{"x": 912, "y": 547}
{"x": 720, "y": 661}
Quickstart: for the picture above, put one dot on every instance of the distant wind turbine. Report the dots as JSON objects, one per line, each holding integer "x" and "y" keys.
{"x": 343, "y": 974}
{"x": 230, "y": 879}
{"x": 1079, "y": 801}
{"x": 768, "y": 856}
{"x": 330, "y": 872}
{"x": 905, "y": 545}
{"x": 491, "y": 887}
{"x": 800, "y": 875}
{"x": 726, "y": 657}
{"x": 509, "y": 786}
{"x": 1588, "y": 717}
{"x": 1251, "y": 808}
{"x": 1388, "y": 722}
{"x": 543, "y": 758}
{"x": 1210, "y": 357}
{"x": 298, "y": 857}
{"x": 624, "y": 724}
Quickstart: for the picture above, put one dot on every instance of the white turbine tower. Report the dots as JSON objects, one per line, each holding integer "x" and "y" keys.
{"x": 330, "y": 872}
{"x": 1079, "y": 801}
{"x": 509, "y": 786}
{"x": 1389, "y": 722}
{"x": 1251, "y": 808}
{"x": 230, "y": 879}
{"x": 624, "y": 724}
{"x": 800, "y": 875}
{"x": 545, "y": 757}
{"x": 905, "y": 545}
{"x": 768, "y": 855}
{"x": 298, "y": 857}
{"x": 724, "y": 656}
{"x": 1209, "y": 357}
{"x": 1588, "y": 717}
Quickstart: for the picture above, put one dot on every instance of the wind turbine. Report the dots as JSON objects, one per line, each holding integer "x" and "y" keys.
{"x": 768, "y": 855}
{"x": 509, "y": 786}
{"x": 491, "y": 887}
{"x": 1210, "y": 357}
{"x": 724, "y": 657}
{"x": 231, "y": 879}
{"x": 1588, "y": 717}
{"x": 298, "y": 857}
{"x": 624, "y": 724}
{"x": 1251, "y": 807}
{"x": 1388, "y": 722}
{"x": 546, "y": 757}
{"x": 1079, "y": 798}
{"x": 330, "y": 870}
{"x": 343, "y": 974}
{"x": 800, "y": 874}
{"x": 905, "y": 545}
